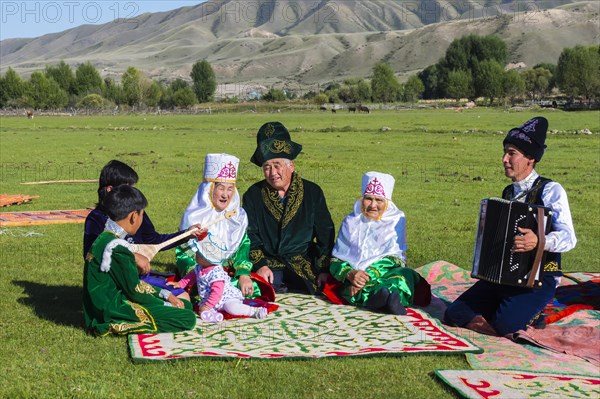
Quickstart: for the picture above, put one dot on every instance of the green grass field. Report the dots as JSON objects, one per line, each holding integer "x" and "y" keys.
{"x": 444, "y": 162}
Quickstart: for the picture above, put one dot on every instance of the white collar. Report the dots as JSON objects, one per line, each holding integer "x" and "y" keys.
{"x": 526, "y": 183}
{"x": 114, "y": 228}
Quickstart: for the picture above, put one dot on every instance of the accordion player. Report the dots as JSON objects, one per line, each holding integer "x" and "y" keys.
{"x": 493, "y": 258}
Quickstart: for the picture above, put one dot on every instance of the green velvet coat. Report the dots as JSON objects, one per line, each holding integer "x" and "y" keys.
{"x": 117, "y": 302}
{"x": 388, "y": 272}
{"x": 295, "y": 234}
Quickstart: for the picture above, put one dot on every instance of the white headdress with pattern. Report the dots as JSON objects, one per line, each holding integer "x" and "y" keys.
{"x": 362, "y": 241}
{"x": 218, "y": 168}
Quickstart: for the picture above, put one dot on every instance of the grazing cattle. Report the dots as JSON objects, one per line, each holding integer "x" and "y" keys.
{"x": 333, "y": 110}
{"x": 323, "y": 108}
{"x": 29, "y": 114}
{"x": 363, "y": 108}
{"x": 352, "y": 108}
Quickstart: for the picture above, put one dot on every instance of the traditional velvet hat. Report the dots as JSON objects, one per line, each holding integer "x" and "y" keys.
{"x": 221, "y": 168}
{"x": 273, "y": 141}
{"x": 529, "y": 137}
{"x": 378, "y": 184}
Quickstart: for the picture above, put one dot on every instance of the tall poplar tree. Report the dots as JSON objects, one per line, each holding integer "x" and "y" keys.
{"x": 205, "y": 82}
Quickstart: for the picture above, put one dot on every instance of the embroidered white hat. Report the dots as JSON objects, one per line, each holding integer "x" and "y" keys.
{"x": 378, "y": 184}
{"x": 221, "y": 168}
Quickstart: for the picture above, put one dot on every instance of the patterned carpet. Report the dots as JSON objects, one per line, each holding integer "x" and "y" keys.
{"x": 511, "y": 384}
{"x": 305, "y": 327}
{"x": 448, "y": 281}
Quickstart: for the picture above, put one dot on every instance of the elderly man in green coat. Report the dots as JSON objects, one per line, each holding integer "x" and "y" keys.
{"x": 290, "y": 227}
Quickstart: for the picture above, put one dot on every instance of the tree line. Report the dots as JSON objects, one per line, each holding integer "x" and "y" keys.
{"x": 60, "y": 87}
{"x": 473, "y": 67}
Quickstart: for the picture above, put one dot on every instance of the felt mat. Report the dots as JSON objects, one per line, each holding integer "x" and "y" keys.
{"x": 43, "y": 217}
{"x": 305, "y": 327}
{"x": 15, "y": 199}
{"x": 511, "y": 384}
{"x": 448, "y": 281}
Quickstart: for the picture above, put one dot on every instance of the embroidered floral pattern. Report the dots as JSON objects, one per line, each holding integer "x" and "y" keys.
{"x": 303, "y": 268}
{"x": 530, "y": 125}
{"x": 295, "y": 196}
{"x": 256, "y": 255}
{"x": 276, "y": 147}
{"x": 272, "y": 201}
{"x": 144, "y": 288}
{"x": 375, "y": 188}
{"x": 269, "y": 130}
{"x": 275, "y": 264}
{"x": 519, "y": 135}
{"x": 551, "y": 267}
{"x": 228, "y": 172}
{"x": 146, "y": 323}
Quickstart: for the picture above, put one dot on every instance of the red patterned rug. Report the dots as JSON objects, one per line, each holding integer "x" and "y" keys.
{"x": 511, "y": 384}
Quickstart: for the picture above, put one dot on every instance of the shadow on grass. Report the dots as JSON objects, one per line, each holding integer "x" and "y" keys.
{"x": 60, "y": 304}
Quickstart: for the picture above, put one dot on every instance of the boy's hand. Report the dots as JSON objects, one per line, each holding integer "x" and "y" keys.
{"x": 142, "y": 263}
{"x": 176, "y": 302}
{"x": 173, "y": 284}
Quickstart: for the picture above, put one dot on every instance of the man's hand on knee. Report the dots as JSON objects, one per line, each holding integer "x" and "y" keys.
{"x": 266, "y": 273}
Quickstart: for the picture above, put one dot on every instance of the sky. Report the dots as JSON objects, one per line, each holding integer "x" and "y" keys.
{"x": 20, "y": 18}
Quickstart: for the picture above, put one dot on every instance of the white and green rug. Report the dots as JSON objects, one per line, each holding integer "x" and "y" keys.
{"x": 305, "y": 327}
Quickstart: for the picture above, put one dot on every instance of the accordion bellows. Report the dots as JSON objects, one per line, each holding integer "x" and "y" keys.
{"x": 493, "y": 259}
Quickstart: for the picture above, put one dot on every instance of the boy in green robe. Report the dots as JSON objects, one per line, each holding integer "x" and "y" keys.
{"x": 115, "y": 301}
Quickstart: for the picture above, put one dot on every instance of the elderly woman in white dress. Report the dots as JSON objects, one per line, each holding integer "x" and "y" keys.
{"x": 230, "y": 245}
{"x": 369, "y": 257}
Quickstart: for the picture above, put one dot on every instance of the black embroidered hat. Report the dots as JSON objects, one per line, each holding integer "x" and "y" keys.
{"x": 273, "y": 141}
{"x": 529, "y": 137}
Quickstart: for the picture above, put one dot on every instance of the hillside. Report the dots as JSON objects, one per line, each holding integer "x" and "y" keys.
{"x": 307, "y": 42}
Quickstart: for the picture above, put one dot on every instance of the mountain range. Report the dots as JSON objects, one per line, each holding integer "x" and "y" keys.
{"x": 305, "y": 42}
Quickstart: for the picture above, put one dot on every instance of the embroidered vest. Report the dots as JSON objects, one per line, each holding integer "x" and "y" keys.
{"x": 552, "y": 265}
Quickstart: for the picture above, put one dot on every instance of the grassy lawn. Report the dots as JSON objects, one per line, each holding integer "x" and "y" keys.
{"x": 444, "y": 162}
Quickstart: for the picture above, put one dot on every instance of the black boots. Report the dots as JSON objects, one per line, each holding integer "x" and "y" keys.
{"x": 378, "y": 300}
{"x": 394, "y": 304}
{"x": 386, "y": 302}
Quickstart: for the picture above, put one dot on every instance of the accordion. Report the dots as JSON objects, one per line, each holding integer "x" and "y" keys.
{"x": 494, "y": 260}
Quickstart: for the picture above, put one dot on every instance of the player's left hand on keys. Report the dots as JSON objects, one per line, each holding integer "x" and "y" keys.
{"x": 525, "y": 242}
